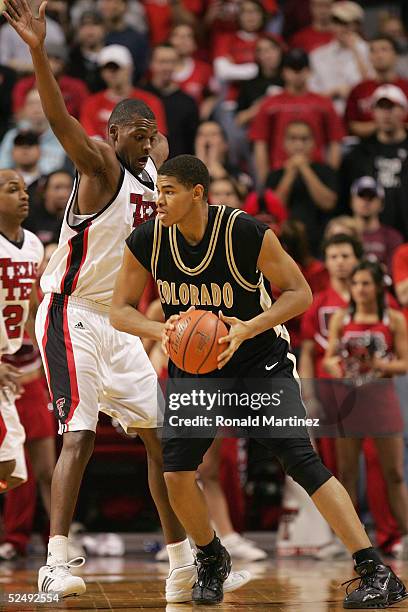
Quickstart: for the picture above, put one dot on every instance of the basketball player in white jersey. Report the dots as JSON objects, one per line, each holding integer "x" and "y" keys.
{"x": 89, "y": 365}
{"x": 21, "y": 252}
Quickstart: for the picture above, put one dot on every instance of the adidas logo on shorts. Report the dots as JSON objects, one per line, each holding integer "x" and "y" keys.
{"x": 79, "y": 325}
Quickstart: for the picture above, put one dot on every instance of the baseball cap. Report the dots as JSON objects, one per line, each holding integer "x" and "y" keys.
{"x": 297, "y": 59}
{"x": 115, "y": 54}
{"x": 57, "y": 50}
{"x": 347, "y": 11}
{"x": 389, "y": 92}
{"x": 26, "y": 138}
{"x": 90, "y": 17}
{"x": 367, "y": 184}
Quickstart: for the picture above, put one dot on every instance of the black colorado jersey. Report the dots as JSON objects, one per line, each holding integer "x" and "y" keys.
{"x": 219, "y": 273}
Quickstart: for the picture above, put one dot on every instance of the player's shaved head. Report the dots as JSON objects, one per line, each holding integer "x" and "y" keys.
{"x": 126, "y": 110}
{"x": 7, "y": 175}
{"x": 188, "y": 170}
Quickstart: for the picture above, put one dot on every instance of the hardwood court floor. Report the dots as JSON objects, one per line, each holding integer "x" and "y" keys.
{"x": 129, "y": 584}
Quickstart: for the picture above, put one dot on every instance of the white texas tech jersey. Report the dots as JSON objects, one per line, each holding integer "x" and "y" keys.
{"x": 18, "y": 273}
{"x": 90, "y": 248}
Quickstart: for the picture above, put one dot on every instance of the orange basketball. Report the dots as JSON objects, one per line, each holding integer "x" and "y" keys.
{"x": 193, "y": 345}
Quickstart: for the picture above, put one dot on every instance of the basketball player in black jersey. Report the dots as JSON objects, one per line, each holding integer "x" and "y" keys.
{"x": 216, "y": 258}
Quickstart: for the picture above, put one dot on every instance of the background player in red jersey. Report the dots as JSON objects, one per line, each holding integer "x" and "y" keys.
{"x": 368, "y": 342}
{"x": 21, "y": 253}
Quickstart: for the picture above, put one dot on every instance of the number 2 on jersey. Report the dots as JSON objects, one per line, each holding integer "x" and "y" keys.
{"x": 13, "y": 316}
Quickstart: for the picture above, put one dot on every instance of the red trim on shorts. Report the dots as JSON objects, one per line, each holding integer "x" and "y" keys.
{"x": 44, "y": 344}
{"x": 84, "y": 253}
{"x": 67, "y": 266}
{"x": 3, "y": 429}
{"x": 71, "y": 365}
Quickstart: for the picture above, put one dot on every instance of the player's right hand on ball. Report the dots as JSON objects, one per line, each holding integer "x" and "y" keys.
{"x": 31, "y": 29}
{"x": 9, "y": 378}
{"x": 169, "y": 326}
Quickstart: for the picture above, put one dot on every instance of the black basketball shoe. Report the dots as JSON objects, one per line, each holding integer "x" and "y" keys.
{"x": 213, "y": 570}
{"x": 379, "y": 587}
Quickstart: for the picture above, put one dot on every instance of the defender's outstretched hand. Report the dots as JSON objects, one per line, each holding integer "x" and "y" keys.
{"x": 20, "y": 16}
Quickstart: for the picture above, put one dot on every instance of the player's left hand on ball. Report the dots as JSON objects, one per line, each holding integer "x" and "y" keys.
{"x": 238, "y": 332}
{"x": 169, "y": 326}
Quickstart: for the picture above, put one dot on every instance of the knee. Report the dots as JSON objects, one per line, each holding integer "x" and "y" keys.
{"x": 305, "y": 467}
{"x": 79, "y": 444}
{"x": 208, "y": 473}
{"x": 179, "y": 483}
{"x": 6, "y": 469}
{"x": 153, "y": 447}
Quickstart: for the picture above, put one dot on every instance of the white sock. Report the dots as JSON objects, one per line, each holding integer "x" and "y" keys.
{"x": 180, "y": 554}
{"x": 57, "y": 550}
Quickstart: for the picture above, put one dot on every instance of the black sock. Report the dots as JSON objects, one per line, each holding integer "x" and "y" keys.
{"x": 211, "y": 549}
{"x": 366, "y": 554}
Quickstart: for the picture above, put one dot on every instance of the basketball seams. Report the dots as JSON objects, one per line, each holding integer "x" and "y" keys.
{"x": 211, "y": 347}
{"x": 189, "y": 338}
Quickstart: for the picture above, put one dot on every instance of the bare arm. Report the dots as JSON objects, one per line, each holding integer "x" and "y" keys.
{"x": 306, "y": 361}
{"x": 30, "y": 323}
{"x": 261, "y": 161}
{"x": 322, "y": 196}
{"x": 284, "y": 187}
{"x": 401, "y": 289}
{"x": 331, "y": 361}
{"x": 89, "y": 156}
{"x": 160, "y": 151}
{"x": 282, "y": 272}
{"x": 130, "y": 283}
{"x": 399, "y": 365}
{"x": 334, "y": 154}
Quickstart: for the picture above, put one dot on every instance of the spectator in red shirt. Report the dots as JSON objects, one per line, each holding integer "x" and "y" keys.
{"x": 192, "y": 75}
{"x": 74, "y": 91}
{"x": 268, "y": 55}
{"x": 116, "y": 69}
{"x": 162, "y": 14}
{"x": 319, "y": 32}
{"x": 384, "y": 58}
{"x": 234, "y": 52}
{"x": 367, "y": 200}
{"x": 295, "y": 102}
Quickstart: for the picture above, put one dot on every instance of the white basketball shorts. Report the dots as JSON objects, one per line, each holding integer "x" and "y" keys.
{"x": 90, "y": 366}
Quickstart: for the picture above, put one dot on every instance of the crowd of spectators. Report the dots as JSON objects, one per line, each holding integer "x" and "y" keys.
{"x": 298, "y": 109}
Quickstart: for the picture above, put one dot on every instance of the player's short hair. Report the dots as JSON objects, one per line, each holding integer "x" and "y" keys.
{"x": 126, "y": 110}
{"x": 344, "y": 239}
{"x": 188, "y": 170}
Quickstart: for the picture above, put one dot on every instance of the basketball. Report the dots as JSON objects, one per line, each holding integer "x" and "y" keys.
{"x": 193, "y": 344}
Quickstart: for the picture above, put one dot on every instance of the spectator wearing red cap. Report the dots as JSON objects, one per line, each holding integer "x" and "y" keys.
{"x": 74, "y": 91}
{"x": 319, "y": 32}
{"x": 307, "y": 188}
{"x": 382, "y": 156}
{"x": 192, "y": 75}
{"x": 116, "y": 66}
{"x": 384, "y": 58}
{"x": 344, "y": 62}
{"x": 295, "y": 102}
{"x": 367, "y": 201}
{"x": 268, "y": 56}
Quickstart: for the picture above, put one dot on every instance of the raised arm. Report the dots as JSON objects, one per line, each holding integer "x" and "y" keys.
{"x": 89, "y": 156}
